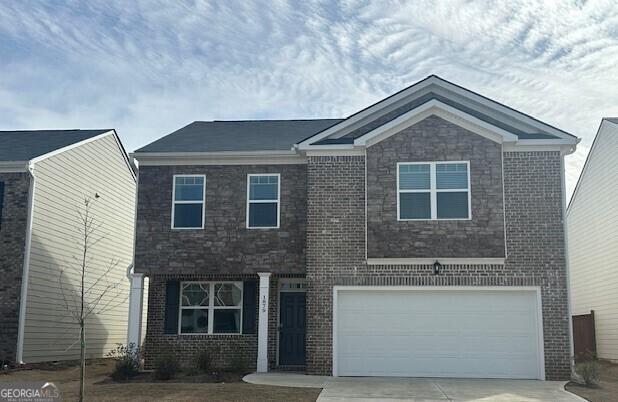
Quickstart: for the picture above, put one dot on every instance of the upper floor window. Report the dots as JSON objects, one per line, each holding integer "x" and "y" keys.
{"x": 263, "y": 201}
{"x": 433, "y": 190}
{"x": 188, "y": 202}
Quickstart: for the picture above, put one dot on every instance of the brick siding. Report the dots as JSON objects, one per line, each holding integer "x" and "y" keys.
{"x": 535, "y": 244}
{"x": 12, "y": 247}
{"x": 223, "y": 348}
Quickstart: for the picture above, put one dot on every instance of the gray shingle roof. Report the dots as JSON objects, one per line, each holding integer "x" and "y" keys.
{"x": 611, "y": 119}
{"x": 248, "y": 135}
{"x": 28, "y": 144}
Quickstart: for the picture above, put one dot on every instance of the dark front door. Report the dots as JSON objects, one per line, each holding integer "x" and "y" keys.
{"x": 292, "y": 329}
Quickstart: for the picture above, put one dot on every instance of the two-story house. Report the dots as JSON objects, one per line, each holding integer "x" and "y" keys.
{"x": 45, "y": 177}
{"x": 421, "y": 236}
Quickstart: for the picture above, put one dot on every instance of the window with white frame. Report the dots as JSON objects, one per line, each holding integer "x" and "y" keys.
{"x": 188, "y": 202}
{"x": 211, "y": 308}
{"x": 433, "y": 190}
{"x": 263, "y": 201}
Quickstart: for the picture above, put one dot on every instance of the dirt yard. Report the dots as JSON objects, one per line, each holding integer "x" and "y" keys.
{"x": 607, "y": 389}
{"x": 99, "y": 388}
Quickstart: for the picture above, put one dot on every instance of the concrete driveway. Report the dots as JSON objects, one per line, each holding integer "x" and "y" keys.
{"x": 369, "y": 389}
{"x": 428, "y": 389}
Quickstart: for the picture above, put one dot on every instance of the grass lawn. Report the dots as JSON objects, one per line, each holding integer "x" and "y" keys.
{"x": 99, "y": 388}
{"x": 607, "y": 389}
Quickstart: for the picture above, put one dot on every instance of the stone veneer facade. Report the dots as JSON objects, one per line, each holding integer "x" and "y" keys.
{"x": 435, "y": 139}
{"x": 534, "y": 240}
{"x": 13, "y": 224}
{"x": 225, "y": 244}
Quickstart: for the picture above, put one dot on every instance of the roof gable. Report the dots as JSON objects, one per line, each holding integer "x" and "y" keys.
{"x": 29, "y": 144}
{"x": 608, "y": 127}
{"x": 20, "y": 150}
{"x": 433, "y": 89}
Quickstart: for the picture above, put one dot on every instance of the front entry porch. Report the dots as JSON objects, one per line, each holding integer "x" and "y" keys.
{"x": 281, "y": 323}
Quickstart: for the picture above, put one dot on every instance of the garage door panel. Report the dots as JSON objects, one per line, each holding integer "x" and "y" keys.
{"x": 442, "y": 333}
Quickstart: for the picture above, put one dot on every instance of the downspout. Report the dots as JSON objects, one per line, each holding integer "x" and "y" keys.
{"x": 19, "y": 358}
{"x": 566, "y": 259}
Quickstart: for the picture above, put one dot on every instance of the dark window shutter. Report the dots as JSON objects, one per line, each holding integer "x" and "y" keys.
{"x": 1, "y": 201}
{"x": 172, "y": 300}
{"x": 249, "y": 307}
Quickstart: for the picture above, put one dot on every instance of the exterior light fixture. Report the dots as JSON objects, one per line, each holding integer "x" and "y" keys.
{"x": 436, "y": 268}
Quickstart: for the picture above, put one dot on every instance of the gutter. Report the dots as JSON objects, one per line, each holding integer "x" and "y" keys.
{"x": 14, "y": 166}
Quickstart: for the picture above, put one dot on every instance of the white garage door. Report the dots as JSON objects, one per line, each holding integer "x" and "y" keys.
{"x": 453, "y": 332}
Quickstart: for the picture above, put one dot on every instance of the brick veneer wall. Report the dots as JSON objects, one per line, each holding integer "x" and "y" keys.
{"x": 225, "y": 244}
{"x": 12, "y": 247}
{"x": 185, "y": 348}
{"x": 535, "y": 244}
{"x": 223, "y": 348}
{"x": 435, "y": 139}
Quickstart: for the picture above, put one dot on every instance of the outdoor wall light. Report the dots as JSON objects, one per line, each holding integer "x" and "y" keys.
{"x": 436, "y": 268}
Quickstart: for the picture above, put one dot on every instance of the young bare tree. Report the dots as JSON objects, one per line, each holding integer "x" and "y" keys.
{"x": 94, "y": 293}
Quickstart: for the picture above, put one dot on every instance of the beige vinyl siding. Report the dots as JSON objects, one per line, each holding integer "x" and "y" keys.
{"x": 593, "y": 241}
{"x": 62, "y": 182}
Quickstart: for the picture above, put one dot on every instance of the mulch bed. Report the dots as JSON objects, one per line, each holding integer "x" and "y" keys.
{"x": 217, "y": 377}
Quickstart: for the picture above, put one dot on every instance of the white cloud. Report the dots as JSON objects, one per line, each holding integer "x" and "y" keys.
{"x": 147, "y": 68}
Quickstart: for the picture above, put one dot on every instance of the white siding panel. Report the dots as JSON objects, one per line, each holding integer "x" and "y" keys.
{"x": 593, "y": 241}
{"x": 62, "y": 183}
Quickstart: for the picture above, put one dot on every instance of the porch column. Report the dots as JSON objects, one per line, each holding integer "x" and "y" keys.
{"x": 136, "y": 301}
{"x": 262, "y": 354}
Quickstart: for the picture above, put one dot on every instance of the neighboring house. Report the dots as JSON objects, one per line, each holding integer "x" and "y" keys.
{"x": 44, "y": 178}
{"x": 592, "y": 219}
{"x": 421, "y": 236}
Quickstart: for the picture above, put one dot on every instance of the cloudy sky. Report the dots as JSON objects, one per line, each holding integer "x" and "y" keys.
{"x": 147, "y": 68}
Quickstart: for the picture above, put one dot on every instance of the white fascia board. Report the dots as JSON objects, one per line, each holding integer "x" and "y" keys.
{"x": 353, "y": 151}
{"x": 430, "y": 261}
{"x": 14, "y": 166}
{"x": 279, "y": 157}
{"x": 563, "y": 149}
{"x": 437, "y": 108}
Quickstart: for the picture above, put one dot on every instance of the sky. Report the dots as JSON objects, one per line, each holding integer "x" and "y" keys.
{"x": 147, "y": 68}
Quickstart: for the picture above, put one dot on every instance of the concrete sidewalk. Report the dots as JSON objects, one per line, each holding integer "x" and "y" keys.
{"x": 366, "y": 389}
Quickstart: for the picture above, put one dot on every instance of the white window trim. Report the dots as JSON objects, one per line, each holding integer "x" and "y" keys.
{"x": 203, "y": 202}
{"x": 433, "y": 192}
{"x": 211, "y": 307}
{"x": 249, "y": 202}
